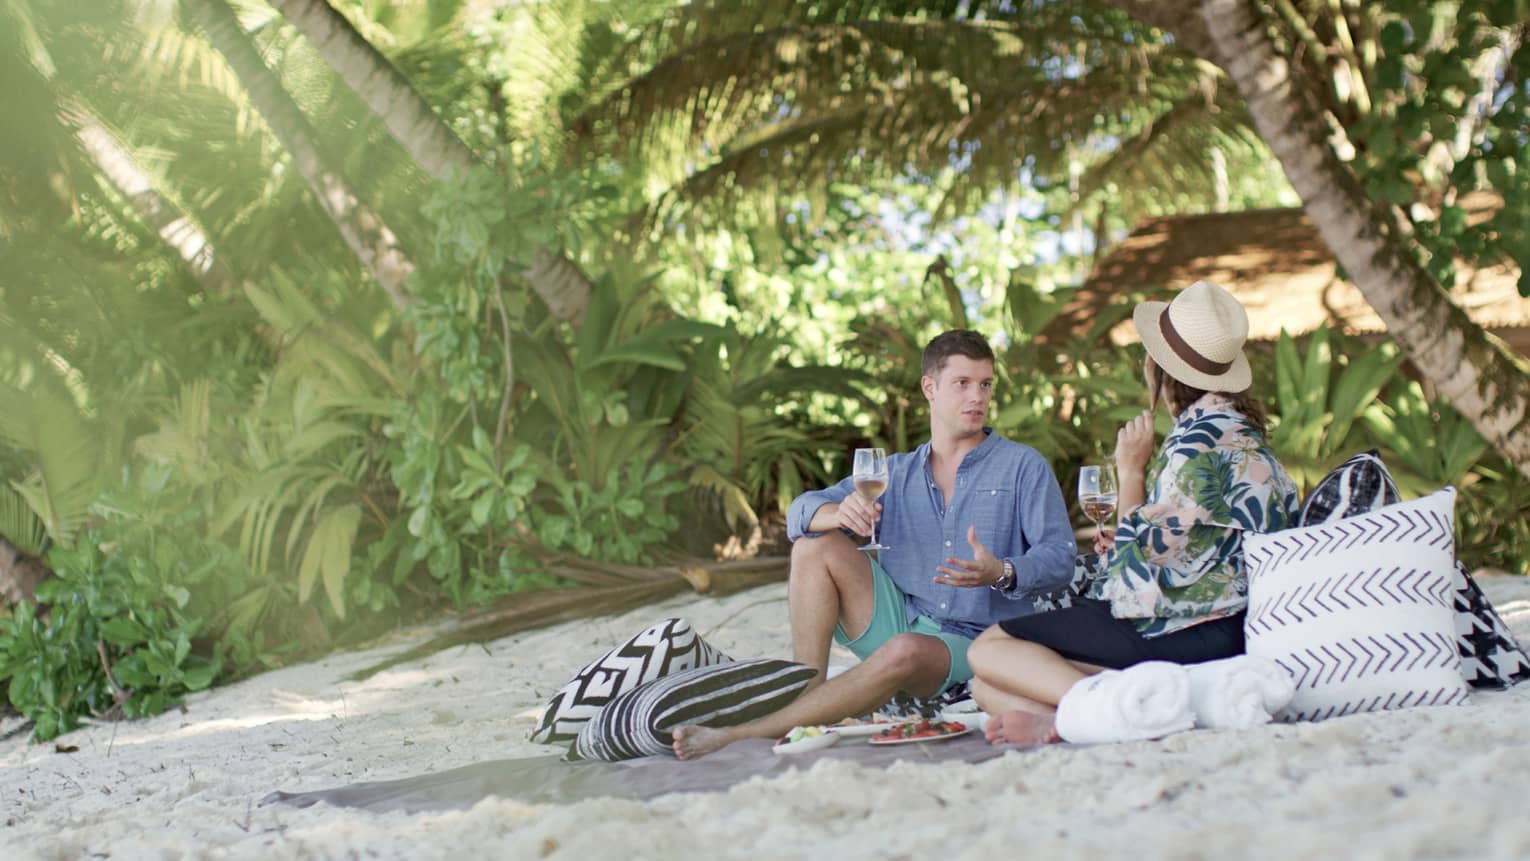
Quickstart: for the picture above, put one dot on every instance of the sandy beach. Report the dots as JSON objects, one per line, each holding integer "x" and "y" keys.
{"x": 1424, "y": 783}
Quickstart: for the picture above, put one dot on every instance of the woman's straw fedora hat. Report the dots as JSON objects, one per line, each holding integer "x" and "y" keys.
{"x": 1198, "y": 338}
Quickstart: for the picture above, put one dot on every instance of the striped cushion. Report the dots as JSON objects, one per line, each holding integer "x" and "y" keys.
{"x": 1355, "y": 486}
{"x": 639, "y": 723}
{"x": 670, "y": 646}
{"x": 1360, "y": 611}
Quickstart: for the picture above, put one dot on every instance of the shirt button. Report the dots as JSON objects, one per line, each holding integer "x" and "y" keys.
{"x": 942, "y": 606}
{"x": 948, "y": 543}
{"x": 993, "y": 493}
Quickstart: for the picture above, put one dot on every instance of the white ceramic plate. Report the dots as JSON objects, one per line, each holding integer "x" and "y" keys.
{"x": 881, "y": 741}
{"x": 856, "y": 730}
{"x": 973, "y": 720}
{"x": 814, "y": 742}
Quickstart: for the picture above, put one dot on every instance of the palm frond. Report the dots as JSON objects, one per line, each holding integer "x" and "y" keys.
{"x": 1171, "y": 161}
{"x": 183, "y": 436}
{"x": 68, "y": 455}
{"x": 20, "y": 524}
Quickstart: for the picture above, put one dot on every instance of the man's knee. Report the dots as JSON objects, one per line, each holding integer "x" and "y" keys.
{"x": 831, "y": 554}
{"x": 829, "y": 546}
{"x": 912, "y": 658}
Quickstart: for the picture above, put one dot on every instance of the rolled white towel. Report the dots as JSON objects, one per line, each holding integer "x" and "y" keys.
{"x": 1148, "y": 700}
{"x": 1238, "y": 692}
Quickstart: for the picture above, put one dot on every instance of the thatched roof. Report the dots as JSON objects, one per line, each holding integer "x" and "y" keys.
{"x": 1275, "y": 262}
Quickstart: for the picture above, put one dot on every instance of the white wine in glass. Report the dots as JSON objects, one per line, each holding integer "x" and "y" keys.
{"x": 1097, "y": 492}
{"x": 869, "y": 471}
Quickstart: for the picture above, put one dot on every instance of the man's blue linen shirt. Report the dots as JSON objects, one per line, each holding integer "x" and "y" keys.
{"x": 1006, "y": 489}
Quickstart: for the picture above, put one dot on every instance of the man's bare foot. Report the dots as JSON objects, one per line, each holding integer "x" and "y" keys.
{"x": 1019, "y": 727}
{"x": 692, "y": 742}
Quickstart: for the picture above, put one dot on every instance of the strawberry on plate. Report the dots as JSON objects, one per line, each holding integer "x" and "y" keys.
{"x": 922, "y": 730}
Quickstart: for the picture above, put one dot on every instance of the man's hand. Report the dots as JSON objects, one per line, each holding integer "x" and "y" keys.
{"x": 983, "y": 569}
{"x": 856, "y": 514}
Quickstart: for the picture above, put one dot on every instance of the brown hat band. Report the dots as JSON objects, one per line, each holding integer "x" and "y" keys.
{"x": 1185, "y": 351}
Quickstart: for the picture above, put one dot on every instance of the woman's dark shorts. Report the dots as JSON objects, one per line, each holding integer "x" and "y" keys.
{"x": 1087, "y": 633}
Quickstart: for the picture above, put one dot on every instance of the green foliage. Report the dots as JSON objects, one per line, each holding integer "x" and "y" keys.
{"x": 460, "y": 501}
{"x": 1448, "y": 95}
{"x": 67, "y": 455}
{"x": 1430, "y": 445}
{"x": 1493, "y": 513}
{"x": 621, "y": 520}
{"x": 20, "y": 524}
{"x": 1321, "y": 396}
{"x": 125, "y": 612}
{"x": 748, "y": 443}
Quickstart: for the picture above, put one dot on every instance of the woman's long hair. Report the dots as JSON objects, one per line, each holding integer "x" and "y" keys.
{"x": 1177, "y": 396}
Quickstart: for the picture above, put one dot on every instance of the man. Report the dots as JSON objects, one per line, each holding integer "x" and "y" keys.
{"x": 911, "y": 617}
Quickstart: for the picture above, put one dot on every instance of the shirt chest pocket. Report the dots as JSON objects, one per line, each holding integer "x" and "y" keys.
{"x": 992, "y": 510}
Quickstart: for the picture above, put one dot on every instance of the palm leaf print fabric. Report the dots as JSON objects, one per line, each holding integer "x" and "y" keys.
{"x": 1178, "y": 558}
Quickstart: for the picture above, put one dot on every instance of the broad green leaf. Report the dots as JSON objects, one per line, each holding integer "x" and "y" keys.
{"x": 1355, "y": 390}
{"x": 328, "y": 555}
{"x": 481, "y": 508}
{"x": 124, "y": 631}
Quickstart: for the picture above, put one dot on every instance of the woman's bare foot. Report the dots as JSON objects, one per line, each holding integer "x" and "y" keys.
{"x": 1020, "y": 727}
{"x": 697, "y": 741}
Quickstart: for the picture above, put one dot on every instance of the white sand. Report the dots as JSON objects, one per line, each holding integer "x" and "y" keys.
{"x": 1440, "y": 782}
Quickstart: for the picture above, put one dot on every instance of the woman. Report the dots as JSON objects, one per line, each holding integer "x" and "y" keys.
{"x": 1174, "y": 586}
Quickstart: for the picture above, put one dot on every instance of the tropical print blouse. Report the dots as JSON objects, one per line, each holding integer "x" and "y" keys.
{"x": 1178, "y": 558}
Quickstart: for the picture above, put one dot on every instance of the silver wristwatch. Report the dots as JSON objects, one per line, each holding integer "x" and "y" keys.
{"x": 1006, "y": 580}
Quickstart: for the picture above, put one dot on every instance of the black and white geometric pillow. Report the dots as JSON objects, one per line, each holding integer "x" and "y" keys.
{"x": 1360, "y": 611}
{"x": 1490, "y": 655}
{"x": 668, "y": 647}
{"x": 905, "y": 705}
{"x": 640, "y": 722}
{"x": 1356, "y": 486}
{"x": 1087, "y": 569}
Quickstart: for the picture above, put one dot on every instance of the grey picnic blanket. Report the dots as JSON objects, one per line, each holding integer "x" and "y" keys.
{"x": 550, "y": 779}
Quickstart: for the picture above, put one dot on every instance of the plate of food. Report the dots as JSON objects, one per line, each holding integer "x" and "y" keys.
{"x": 803, "y": 739}
{"x": 973, "y": 719}
{"x": 858, "y": 727}
{"x": 923, "y": 730}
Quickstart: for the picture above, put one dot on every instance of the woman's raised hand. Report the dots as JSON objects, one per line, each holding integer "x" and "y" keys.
{"x": 1104, "y": 539}
{"x": 1134, "y": 445}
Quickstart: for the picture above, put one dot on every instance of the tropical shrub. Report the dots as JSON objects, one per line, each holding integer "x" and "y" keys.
{"x": 133, "y": 615}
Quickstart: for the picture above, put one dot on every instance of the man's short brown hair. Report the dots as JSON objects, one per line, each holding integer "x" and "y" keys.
{"x": 956, "y": 342}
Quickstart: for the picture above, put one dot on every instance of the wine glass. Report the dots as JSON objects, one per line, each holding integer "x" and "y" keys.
{"x": 870, "y": 475}
{"x": 1097, "y": 492}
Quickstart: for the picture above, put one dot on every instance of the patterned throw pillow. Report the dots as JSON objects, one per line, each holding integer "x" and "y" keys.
{"x": 1360, "y": 611}
{"x": 670, "y": 646}
{"x": 1356, "y": 486}
{"x": 640, "y": 722}
{"x": 1087, "y": 568}
{"x": 905, "y": 705}
{"x": 1490, "y": 656}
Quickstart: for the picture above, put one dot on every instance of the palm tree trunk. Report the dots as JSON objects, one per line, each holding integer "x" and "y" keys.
{"x": 1179, "y": 18}
{"x": 428, "y": 140}
{"x": 406, "y": 115}
{"x": 363, "y": 229}
{"x": 1472, "y": 369}
{"x": 20, "y": 575}
{"x": 174, "y": 228}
